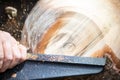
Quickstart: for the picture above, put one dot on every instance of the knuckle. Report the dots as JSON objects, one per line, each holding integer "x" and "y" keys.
{"x": 1, "y": 57}
{"x": 6, "y": 33}
{"x": 17, "y": 57}
{"x": 9, "y": 59}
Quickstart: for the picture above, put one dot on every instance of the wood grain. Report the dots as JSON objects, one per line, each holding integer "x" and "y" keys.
{"x": 74, "y": 28}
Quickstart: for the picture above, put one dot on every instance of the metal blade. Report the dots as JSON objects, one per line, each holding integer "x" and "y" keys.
{"x": 66, "y": 59}
{"x": 54, "y": 69}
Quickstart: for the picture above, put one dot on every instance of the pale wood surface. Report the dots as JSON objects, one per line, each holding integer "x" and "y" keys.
{"x": 81, "y": 27}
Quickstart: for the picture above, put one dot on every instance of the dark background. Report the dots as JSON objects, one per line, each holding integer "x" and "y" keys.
{"x": 14, "y": 26}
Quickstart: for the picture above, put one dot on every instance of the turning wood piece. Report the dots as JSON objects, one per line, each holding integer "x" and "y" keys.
{"x": 88, "y": 28}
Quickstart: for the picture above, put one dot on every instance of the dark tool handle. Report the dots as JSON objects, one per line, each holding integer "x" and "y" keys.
{"x": 66, "y": 59}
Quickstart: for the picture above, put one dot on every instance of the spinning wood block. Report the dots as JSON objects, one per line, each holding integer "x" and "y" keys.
{"x": 88, "y": 28}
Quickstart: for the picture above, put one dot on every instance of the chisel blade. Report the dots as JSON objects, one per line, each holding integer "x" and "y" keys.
{"x": 41, "y": 66}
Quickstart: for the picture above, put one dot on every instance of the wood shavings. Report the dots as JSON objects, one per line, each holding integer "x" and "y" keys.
{"x": 14, "y": 75}
{"x": 11, "y": 12}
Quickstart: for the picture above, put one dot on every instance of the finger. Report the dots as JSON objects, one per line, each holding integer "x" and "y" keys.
{"x": 16, "y": 55}
{"x": 7, "y": 56}
{"x": 7, "y": 36}
{"x": 1, "y": 55}
{"x": 23, "y": 52}
{"x": 14, "y": 41}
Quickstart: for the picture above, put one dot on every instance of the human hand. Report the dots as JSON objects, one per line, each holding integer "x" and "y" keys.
{"x": 11, "y": 53}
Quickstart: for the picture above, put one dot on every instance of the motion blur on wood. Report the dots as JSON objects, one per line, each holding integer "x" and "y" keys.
{"x": 88, "y": 28}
